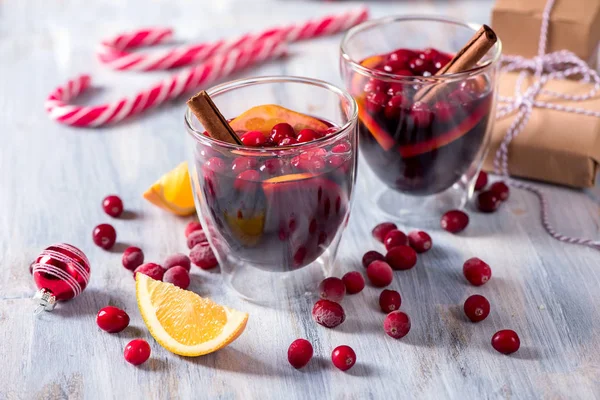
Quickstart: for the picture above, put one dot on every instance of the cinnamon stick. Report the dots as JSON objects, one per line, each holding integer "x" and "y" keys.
{"x": 466, "y": 58}
{"x": 211, "y": 118}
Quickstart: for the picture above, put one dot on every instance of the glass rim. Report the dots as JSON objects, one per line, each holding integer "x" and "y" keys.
{"x": 245, "y": 82}
{"x": 408, "y": 18}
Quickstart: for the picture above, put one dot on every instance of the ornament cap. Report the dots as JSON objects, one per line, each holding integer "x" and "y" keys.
{"x": 45, "y": 301}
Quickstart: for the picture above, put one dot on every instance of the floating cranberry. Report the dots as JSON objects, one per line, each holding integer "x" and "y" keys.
{"x": 394, "y": 106}
{"x": 418, "y": 66}
{"x": 395, "y": 89}
{"x": 105, "y": 236}
{"x": 299, "y": 353}
{"x": 196, "y": 237}
{"x": 477, "y": 308}
{"x": 281, "y": 131}
{"x": 375, "y": 86}
{"x": 371, "y": 256}
{"x": 137, "y": 352}
{"x": 488, "y": 201}
{"x": 381, "y": 230}
{"x": 342, "y": 147}
{"x": 178, "y": 276}
{"x": 380, "y": 273}
{"x": 332, "y": 289}
{"x": 328, "y": 313}
{"x": 330, "y": 131}
{"x": 389, "y": 300}
{"x": 421, "y": 114}
{"x": 376, "y": 101}
{"x": 272, "y": 167}
{"x": 506, "y": 341}
{"x": 401, "y": 257}
{"x": 477, "y": 271}
{"x": 113, "y": 205}
{"x": 395, "y": 238}
{"x": 312, "y": 160}
{"x": 343, "y": 357}
{"x": 403, "y": 55}
{"x": 394, "y": 65}
{"x": 454, "y": 221}
{"x": 247, "y": 181}
{"x": 254, "y": 139}
{"x": 299, "y": 256}
{"x": 192, "y": 226}
{"x": 429, "y": 54}
{"x": 444, "y": 111}
{"x": 203, "y": 256}
{"x": 152, "y": 270}
{"x": 177, "y": 260}
{"x": 112, "y": 319}
{"x": 215, "y": 164}
{"x": 241, "y": 164}
{"x": 288, "y": 141}
{"x": 132, "y": 258}
{"x": 440, "y": 61}
{"x": 420, "y": 241}
{"x": 396, "y": 324}
{"x": 307, "y": 135}
{"x": 336, "y": 160}
{"x": 354, "y": 282}
{"x": 501, "y": 190}
{"x": 482, "y": 181}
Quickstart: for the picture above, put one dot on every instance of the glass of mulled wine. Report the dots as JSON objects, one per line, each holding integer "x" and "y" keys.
{"x": 424, "y": 135}
{"x": 274, "y": 208}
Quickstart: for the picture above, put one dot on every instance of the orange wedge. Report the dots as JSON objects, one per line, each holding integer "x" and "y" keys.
{"x": 263, "y": 118}
{"x": 183, "y": 322}
{"x": 173, "y": 192}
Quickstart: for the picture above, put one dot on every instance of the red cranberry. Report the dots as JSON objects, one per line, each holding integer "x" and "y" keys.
{"x": 395, "y": 238}
{"x": 440, "y": 61}
{"x": 152, "y": 270}
{"x": 105, "y": 236}
{"x": 137, "y": 351}
{"x": 401, "y": 257}
{"x": 404, "y": 72}
{"x": 299, "y": 353}
{"x": 395, "y": 89}
{"x": 254, "y": 139}
{"x": 444, "y": 112}
{"x": 421, "y": 114}
{"x": 428, "y": 54}
{"x": 454, "y": 221}
{"x": 394, "y": 65}
{"x": 307, "y": 135}
{"x": 322, "y": 239}
{"x": 343, "y": 357}
{"x": 177, "y": 260}
{"x": 195, "y": 238}
{"x": 343, "y": 147}
{"x": 376, "y": 101}
{"x": 383, "y": 229}
{"x": 247, "y": 180}
{"x": 396, "y": 324}
{"x": 192, "y": 227}
{"x": 215, "y": 164}
{"x": 477, "y": 271}
{"x": 501, "y": 190}
{"x": 420, "y": 241}
{"x": 328, "y": 313}
{"x": 112, "y": 319}
{"x": 311, "y": 160}
{"x": 394, "y": 106}
{"x": 482, "y": 180}
{"x": 418, "y": 66}
{"x": 241, "y": 164}
{"x": 178, "y": 276}
{"x": 132, "y": 258}
{"x": 371, "y": 256}
{"x": 380, "y": 273}
{"x": 272, "y": 167}
{"x": 281, "y": 131}
{"x": 203, "y": 256}
{"x": 403, "y": 55}
{"x": 488, "y": 201}
{"x": 477, "y": 308}
{"x": 332, "y": 289}
{"x": 113, "y": 205}
{"x": 375, "y": 86}
{"x": 330, "y": 131}
{"x": 460, "y": 97}
{"x": 389, "y": 300}
{"x": 335, "y": 160}
{"x": 354, "y": 282}
{"x": 288, "y": 141}
{"x": 506, "y": 341}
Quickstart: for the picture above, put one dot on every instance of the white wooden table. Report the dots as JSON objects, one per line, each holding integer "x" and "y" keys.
{"x": 52, "y": 179}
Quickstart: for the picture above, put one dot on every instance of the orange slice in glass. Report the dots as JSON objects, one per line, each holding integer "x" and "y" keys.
{"x": 264, "y": 118}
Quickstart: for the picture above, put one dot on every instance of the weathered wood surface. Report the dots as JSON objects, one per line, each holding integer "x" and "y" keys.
{"x": 52, "y": 178}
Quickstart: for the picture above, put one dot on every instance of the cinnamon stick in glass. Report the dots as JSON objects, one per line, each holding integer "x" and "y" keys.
{"x": 211, "y": 118}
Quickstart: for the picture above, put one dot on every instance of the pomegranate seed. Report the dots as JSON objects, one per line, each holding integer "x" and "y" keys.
{"x": 380, "y": 273}
{"x": 477, "y": 271}
{"x": 299, "y": 353}
{"x": 421, "y": 114}
{"x": 177, "y": 260}
{"x": 254, "y": 139}
{"x": 501, "y": 190}
{"x": 288, "y": 141}
{"x": 482, "y": 180}
{"x": 332, "y": 289}
{"x": 420, "y": 241}
{"x": 328, "y": 313}
{"x": 488, "y": 201}
{"x": 506, "y": 341}
{"x": 343, "y": 357}
{"x": 195, "y": 238}
{"x": 307, "y": 135}
{"x": 192, "y": 227}
{"x": 371, "y": 256}
{"x": 153, "y": 270}
{"x": 137, "y": 351}
{"x": 354, "y": 281}
{"x": 395, "y": 238}
{"x": 132, "y": 258}
{"x": 113, "y": 205}
{"x": 247, "y": 180}
{"x": 401, "y": 257}
{"x": 477, "y": 308}
{"x": 454, "y": 221}
{"x": 389, "y": 300}
{"x": 281, "y": 131}
{"x": 112, "y": 319}
{"x": 178, "y": 276}
{"x": 203, "y": 256}
{"x": 105, "y": 236}
{"x": 383, "y": 229}
{"x": 396, "y": 324}
{"x": 241, "y": 164}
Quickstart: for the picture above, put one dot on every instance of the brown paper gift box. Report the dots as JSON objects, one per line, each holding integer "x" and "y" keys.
{"x": 574, "y": 26}
{"x": 554, "y": 146}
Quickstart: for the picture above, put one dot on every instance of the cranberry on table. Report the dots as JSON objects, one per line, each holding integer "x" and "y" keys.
{"x": 192, "y": 226}
{"x": 178, "y": 276}
{"x": 299, "y": 353}
{"x": 454, "y": 221}
{"x": 132, "y": 258}
{"x": 401, "y": 257}
{"x": 395, "y": 238}
{"x": 371, "y": 256}
{"x": 354, "y": 281}
{"x": 112, "y": 319}
{"x": 420, "y": 241}
{"x": 477, "y": 308}
{"x": 203, "y": 256}
{"x": 137, "y": 352}
{"x": 488, "y": 201}
{"x": 195, "y": 238}
{"x": 396, "y": 324}
{"x": 343, "y": 357}
{"x": 113, "y": 205}
{"x": 482, "y": 180}
{"x": 381, "y": 230}
{"x": 380, "y": 273}
{"x": 254, "y": 139}
{"x": 506, "y": 341}
{"x": 328, "y": 313}
{"x": 177, "y": 260}
{"x": 477, "y": 271}
{"x": 389, "y": 300}
{"x": 501, "y": 190}
{"x": 153, "y": 270}
{"x": 105, "y": 236}
{"x": 332, "y": 289}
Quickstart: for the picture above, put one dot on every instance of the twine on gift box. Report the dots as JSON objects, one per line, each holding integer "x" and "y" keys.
{"x": 558, "y": 65}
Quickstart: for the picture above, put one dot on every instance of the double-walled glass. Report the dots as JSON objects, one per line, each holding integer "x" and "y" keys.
{"x": 276, "y": 231}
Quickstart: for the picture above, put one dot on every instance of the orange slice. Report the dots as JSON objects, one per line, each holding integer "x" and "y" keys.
{"x": 173, "y": 192}
{"x": 248, "y": 230}
{"x": 263, "y": 118}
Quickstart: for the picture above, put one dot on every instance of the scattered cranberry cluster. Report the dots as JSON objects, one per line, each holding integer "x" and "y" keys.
{"x": 113, "y": 320}
{"x": 283, "y": 134}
